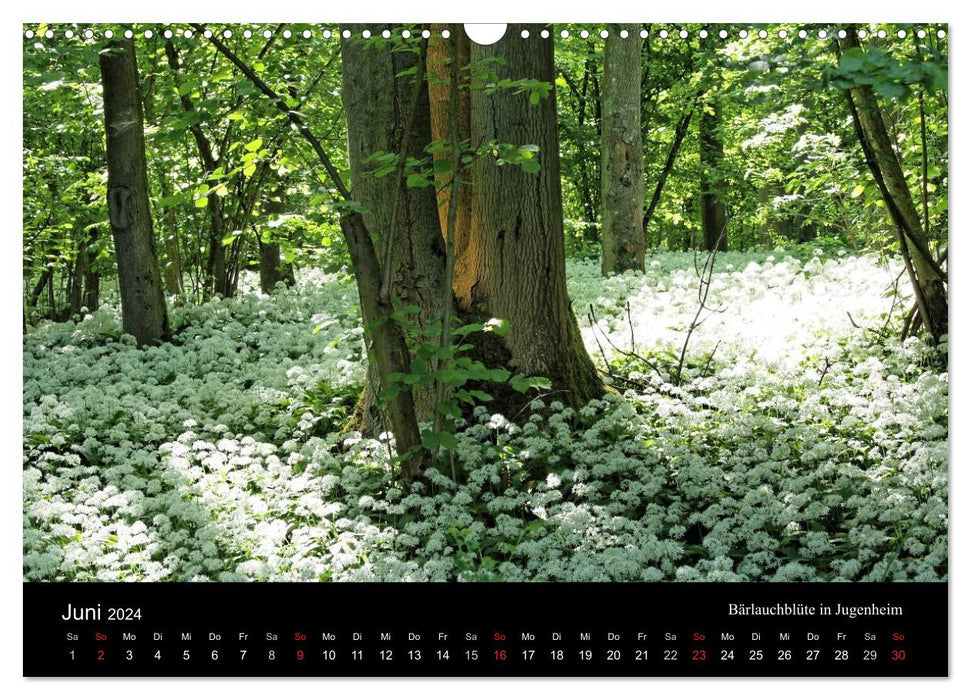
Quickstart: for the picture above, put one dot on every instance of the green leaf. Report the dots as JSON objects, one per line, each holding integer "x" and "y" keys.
{"x": 889, "y": 90}
{"x": 202, "y": 202}
{"x": 463, "y": 331}
{"x": 390, "y": 393}
{"x": 254, "y": 145}
{"x": 851, "y": 61}
{"x": 530, "y": 166}
{"x": 523, "y": 384}
{"x": 249, "y": 170}
{"x": 416, "y": 180}
{"x": 857, "y": 191}
{"x": 430, "y": 441}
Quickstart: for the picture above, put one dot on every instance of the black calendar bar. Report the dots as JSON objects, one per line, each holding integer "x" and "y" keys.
{"x": 479, "y": 629}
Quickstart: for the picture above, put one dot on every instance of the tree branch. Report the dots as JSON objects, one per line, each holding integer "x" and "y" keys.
{"x": 281, "y": 104}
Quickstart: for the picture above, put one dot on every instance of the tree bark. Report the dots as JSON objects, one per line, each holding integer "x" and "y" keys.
{"x": 437, "y": 62}
{"x": 926, "y": 276}
{"x": 388, "y": 349}
{"x": 518, "y": 269}
{"x": 622, "y": 156}
{"x": 142, "y": 301}
{"x": 92, "y": 285}
{"x": 389, "y": 112}
{"x": 711, "y": 153}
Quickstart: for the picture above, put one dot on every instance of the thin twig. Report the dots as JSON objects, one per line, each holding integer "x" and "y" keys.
{"x": 822, "y": 375}
{"x": 710, "y": 357}
{"x": 704, "y": 287}
{"x": 626, "y": 353}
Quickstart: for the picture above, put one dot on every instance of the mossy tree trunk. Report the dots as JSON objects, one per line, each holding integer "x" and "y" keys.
{"x": 142, "y": 300}
{"x": 515, "y": 263}
{"x": 386, "y": 103}
{"x": 622, "y": 155}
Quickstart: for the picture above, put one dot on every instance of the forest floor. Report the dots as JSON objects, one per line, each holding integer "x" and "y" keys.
{"x": 802, "y": 441}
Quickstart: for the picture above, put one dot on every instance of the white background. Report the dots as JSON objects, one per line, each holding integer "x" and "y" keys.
{"x": 592, "y": 12}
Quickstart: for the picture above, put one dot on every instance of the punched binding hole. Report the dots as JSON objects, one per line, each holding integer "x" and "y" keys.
{"x": 485, "y": 34}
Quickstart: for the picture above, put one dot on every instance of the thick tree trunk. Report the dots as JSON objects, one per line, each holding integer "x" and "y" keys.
{"x": 711, "y": 153}
{"x": 142, "y": 301}
{"x": 519, "y": 270}
{"x": 388, "y": 112}
{"x": 622, "y": 156}
{"x": 926, "y": 276}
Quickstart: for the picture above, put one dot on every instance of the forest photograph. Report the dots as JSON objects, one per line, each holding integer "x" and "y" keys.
{"x": 604, "y": 303}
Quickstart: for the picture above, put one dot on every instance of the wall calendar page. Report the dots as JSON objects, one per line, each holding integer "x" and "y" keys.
{"x": 433, "y": 350}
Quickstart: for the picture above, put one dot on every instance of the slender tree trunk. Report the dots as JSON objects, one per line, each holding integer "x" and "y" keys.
{"x": 92, "y": 288}
{"x": 389, "y": 112}
{"x": 588, "y": 164}
{"x": 142, "y": 302}
{"x": 170, "y": 240}
{"x": 172, "y": 265}
{"x": 217, "y": 276}
{"x": 42, "y": 282}
{"x": 679, "y": 133}
{"x": 588, "y": 170}
{"x": 622, "y": 156}
{"x": 926, "y": 276}
{"x": 273, "y": 270}
{"x": 76, "y": 295}
{"x": 519, "y": 273}
{"x": 711, "y": 152}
